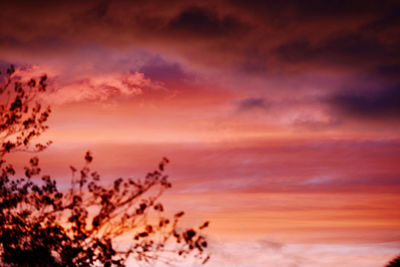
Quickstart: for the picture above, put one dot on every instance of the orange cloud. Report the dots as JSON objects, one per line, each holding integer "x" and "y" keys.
{"x": 89, "y": 86}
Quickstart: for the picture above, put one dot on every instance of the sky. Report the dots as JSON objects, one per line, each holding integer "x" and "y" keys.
{"x": 280, "y": 118}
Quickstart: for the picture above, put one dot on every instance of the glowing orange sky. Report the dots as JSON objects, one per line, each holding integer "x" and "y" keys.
{"x": 281, "y": 121}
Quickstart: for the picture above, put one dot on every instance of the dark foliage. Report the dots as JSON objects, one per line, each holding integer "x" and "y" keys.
{"x": 22, "y": 118}
{"x": 394, "y": 262}
{"x": 90, "y": 224}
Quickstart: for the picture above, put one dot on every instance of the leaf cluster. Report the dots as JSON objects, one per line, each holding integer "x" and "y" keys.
{"x": 22, "y": 117}
{"x": 89, "y": 224}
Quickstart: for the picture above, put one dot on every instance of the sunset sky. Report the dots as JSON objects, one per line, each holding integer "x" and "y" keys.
{"x": 281, "y": 118}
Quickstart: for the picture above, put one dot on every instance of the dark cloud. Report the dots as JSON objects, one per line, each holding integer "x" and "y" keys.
{"x": 349, "y": 49}
{"x": 242, "y": 34}
{"x": 295, "y": 51}
{"x": 160, "y": 70}
{"x": 390, "y": 19}
{"x": 253, "y": 62}
{"x": 388, "y": 71}
{"x": 7, "y": 40}
{"x": 205, "y": 22}
{"x": 101, "y": 9}
{"x": 368, "y": 104}
{"x": 253, "y": 103}
{"x": 265, "y": 38}
{"x": 317, "y": 8}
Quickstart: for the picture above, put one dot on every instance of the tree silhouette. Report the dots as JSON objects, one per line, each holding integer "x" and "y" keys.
{"x": 90, "y": 224}
{"x": 395, "y": 262}
{"x": 21, "y": 117}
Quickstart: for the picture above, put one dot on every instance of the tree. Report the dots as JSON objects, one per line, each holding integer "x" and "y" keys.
{"x": 43, "y": 226}
{"x": 395, "y": 262}
{"x": 22, "y": 118}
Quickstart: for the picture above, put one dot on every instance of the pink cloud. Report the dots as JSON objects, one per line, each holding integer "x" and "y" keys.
{"x": 89, "y": 86}
{"x": 104, "y": 87}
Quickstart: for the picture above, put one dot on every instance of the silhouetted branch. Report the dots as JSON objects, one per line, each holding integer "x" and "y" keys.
{"x": 395, "y": 262}
{"x": 21, "y": 117}
{"x": 43, "y": 226}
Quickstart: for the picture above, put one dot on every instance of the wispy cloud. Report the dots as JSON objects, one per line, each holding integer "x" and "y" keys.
{"x": 97, "y": 87}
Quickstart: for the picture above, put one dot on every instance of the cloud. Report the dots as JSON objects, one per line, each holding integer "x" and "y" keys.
{"x": 345, "y": 49}
{"x": 159, "y": 69}
{"x": 368, "y": 104}
{"x": 100, "y": 10}
{"x": 272, "y": 245}
{"x": 104, "y": 87}
{"x": 226, "y": 33}
{"x": 252, "y": 103}
{"x": 205, "y": 22}
{"x": 391, "y": 71}
{"x": 96, "y": 87}
{"x": 263, "y": 45}
{"x": 311, "y": 9}
{"x": 302, "y": 254}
